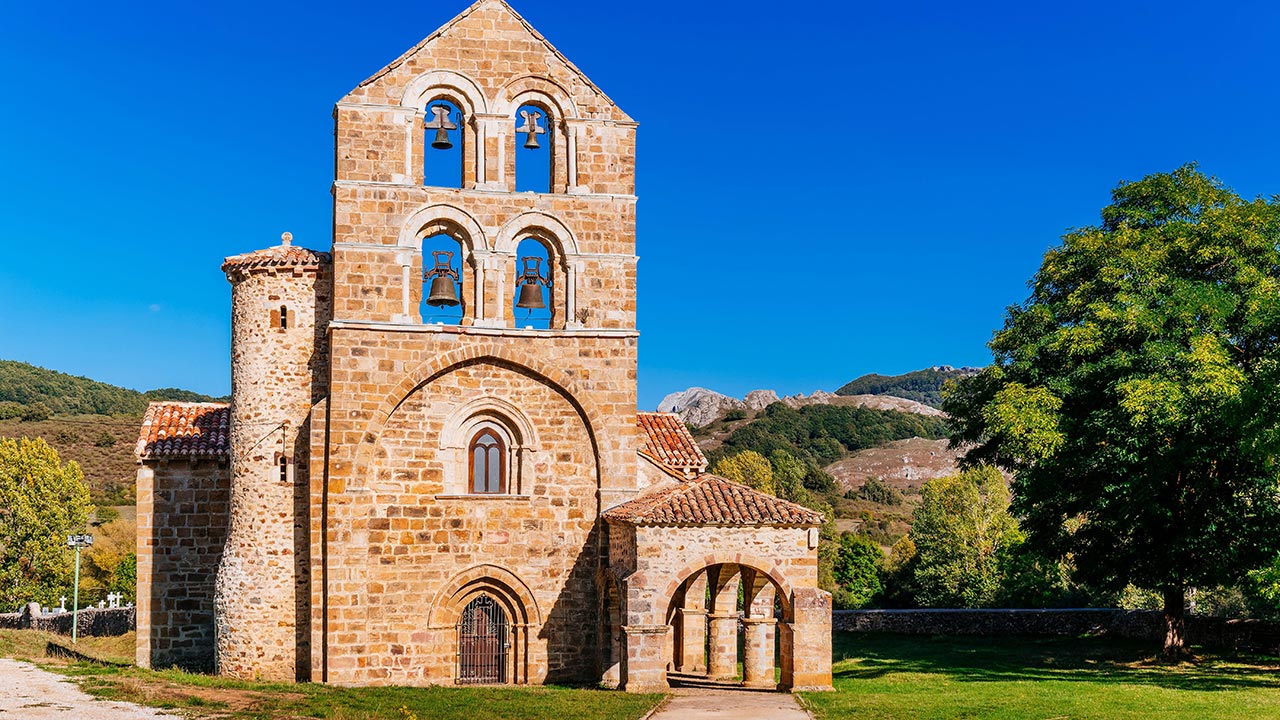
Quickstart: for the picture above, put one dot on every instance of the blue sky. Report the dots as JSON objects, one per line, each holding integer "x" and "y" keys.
{"x": 826, "y": 189}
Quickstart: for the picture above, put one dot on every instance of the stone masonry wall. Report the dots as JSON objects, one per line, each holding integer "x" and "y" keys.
{"x": 263, "y": 592}
{"x": 1252, "y": 635}
{"x": 183, "y": 511}
{"x": 92, "y": 621}
{"x": 665, "y": 556}
{"x": 398, "y": 533}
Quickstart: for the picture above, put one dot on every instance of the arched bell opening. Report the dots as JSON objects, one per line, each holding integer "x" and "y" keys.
{"x": 535, "y": 148}
{"x": 444, "y": 145}
{"x": 536, "y": 285}
{"x": 724, "y": 627}
{"x": 445, "y": 281}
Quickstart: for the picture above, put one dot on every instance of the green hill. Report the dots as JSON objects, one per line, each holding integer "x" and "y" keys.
{"x": 34, "y": 392}
{"x": 923, "y": 386}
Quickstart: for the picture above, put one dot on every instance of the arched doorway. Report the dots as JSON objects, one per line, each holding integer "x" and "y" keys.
{"x": 484, "y": 638}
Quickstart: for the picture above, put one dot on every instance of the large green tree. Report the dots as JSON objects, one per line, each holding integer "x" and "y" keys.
{"x": 1136, "y": 394}
{"x": 41, "y": 502}
{"x": 962, "y": 532}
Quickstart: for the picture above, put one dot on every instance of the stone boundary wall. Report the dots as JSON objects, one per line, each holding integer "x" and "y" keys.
{"x": 1220, "y": 633}
{"x": 93, "y": 622}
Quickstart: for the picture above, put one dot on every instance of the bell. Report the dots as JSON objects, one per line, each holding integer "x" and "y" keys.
{"x": 531, "y": 297}
{"x": 443, "y": 292}
{"x": 532, "y": 128}
{"x": 442, "y": 125}
{"x": 442, "y": 141}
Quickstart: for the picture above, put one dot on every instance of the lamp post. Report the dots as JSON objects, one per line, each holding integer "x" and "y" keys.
{"x": 77, "y": 542}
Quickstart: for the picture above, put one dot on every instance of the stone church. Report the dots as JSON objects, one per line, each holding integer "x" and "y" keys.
{"x": 395, "y": 498}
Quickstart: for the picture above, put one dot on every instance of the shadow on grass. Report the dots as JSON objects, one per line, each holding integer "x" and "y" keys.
{"x": 1086, "y": 659}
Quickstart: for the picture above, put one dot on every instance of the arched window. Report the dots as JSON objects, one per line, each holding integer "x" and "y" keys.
{"x": 533, "y": 149}
{"x": 443, "y": 150}
{"x": 488, "y": 460}
{"x": 444, "y": 298}
{"x": 535, "y": 287}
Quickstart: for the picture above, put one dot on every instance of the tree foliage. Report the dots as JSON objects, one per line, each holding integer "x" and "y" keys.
{"x": 1136, "y": 393}
{"x": 819, "y": 435}
{"x": 924, "y": 386}
{"x": 749, "y": 468}
{"x": 962, "y": 532}
{"x": 41, "y": 502}
{"x": 858, "y": 565}
{"x": 45, "y": 392}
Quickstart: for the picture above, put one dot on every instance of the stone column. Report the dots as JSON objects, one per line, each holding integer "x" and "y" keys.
{"x": 757, "y": 653}
{"x": 807, "y": 642}
{"x": 722, "y": 660}
{"x": 644, "y": 668}
{"x": 757, "y": 650}
{"x": 693, "y": 626}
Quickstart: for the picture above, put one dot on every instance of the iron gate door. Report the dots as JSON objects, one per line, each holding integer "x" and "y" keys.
{"x": 482, "y": 642}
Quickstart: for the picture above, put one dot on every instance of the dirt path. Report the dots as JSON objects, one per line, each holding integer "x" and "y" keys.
{"x": 698, "y": 704}
{"x": 29, "y": 693}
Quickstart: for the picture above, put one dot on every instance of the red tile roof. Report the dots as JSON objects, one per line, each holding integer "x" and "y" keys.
{"x": 669, "y": 442}
{"x": 711, "y": 500}
{"x": 283, "y": 255}
{"x": 185, "y": 430}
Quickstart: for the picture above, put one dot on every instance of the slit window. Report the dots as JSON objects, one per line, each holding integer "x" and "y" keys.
{"x": 284, "y": 318}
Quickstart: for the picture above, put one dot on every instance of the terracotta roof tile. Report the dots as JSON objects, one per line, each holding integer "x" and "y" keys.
{"x": 669, "y": 442}
{"x": 185, "y": 430}
{"x": 283, "y": 255}
{"x": 711, "y": 500}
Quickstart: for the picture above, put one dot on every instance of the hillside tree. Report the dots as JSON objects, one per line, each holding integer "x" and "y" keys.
{"x": 41, "y": 502}
{"x": 1135, "y": 394}
{"x": 749, "y": 468}
{"x": 962, "y": 532}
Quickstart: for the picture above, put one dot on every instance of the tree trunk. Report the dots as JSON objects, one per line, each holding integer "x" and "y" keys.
{"x": 1175, "y": 623}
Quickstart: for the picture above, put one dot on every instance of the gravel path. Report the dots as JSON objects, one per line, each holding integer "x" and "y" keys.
{"x": 698, "y": 704}
{"x": 29, "y": 693}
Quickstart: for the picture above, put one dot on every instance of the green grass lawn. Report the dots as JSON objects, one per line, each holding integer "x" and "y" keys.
{"x": 111, "y": 676}
{"x": 920, "y": 678}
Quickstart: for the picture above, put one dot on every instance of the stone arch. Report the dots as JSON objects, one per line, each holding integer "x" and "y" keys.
{"x": 438, "y": 365}
{"x": 451, "y": 85}
{"x": 504, "y": 585}
{"x": 442, "y": 218}
{"x": 538, "y": 225}
{"x": 535, "y": 89}
{"x": 455, "y": 428}
{"x": 768, "y": 568}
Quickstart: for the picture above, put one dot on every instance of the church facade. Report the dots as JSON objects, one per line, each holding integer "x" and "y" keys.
{"x": 391, "y": 498}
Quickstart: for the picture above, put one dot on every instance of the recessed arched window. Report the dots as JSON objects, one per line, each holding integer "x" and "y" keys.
{"x": 442, "y": 153}
{"x": 488, "y": 461}
{"x": 533, "y": 149}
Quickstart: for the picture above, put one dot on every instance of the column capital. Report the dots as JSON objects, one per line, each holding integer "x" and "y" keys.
{"x": 760, "y": 621}
{"x": 723, "y": 616}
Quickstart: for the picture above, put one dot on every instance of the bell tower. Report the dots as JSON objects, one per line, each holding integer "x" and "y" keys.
{"x": 481, "y": 410}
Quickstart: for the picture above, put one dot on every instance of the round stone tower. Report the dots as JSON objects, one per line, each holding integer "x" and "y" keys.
{"x": 279, "y": 311}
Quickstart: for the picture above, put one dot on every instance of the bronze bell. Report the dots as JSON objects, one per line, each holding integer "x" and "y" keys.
{"x": 442, "y": 141}
{"x": 442, "y": 125}
{"x": 531, "y": 297}
{"x": 531, "y": 128}
{"x": 444, "y": 290}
